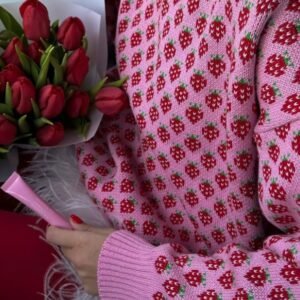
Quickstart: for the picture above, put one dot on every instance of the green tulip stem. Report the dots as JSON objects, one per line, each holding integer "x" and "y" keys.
{"x": 42, "y": 122}
{"x": 85, "y": 43}
{"x": 118, "y": 83}
{"x": 36, "y": 109}
{"x": 22, "y": 136}
{"x": 3, "y": 44}
{"x": 64, "y": 61}
{"x": 5, "y": 109}
{"x": 33, "y": 142}
{"x": 23, "y": 124}
{"x": 96, "y": 88}
{"x": 35, "y": 70}
{"x": 42, "y": 79}
{"x": 24, "y": 59}
{"x": 8, "y": 96}
{"x": 2, "y": 63}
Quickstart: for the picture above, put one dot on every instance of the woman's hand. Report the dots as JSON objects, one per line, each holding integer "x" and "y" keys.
{"x": 81, "y": 246}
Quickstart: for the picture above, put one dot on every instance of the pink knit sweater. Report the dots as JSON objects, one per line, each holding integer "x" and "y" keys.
{"x": 209, "y": 148}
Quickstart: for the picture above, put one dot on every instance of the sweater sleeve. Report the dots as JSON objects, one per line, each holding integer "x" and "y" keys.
{"x": 131, "y": 268}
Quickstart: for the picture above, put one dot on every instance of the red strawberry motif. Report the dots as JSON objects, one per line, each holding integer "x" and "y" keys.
{"x": 130, "y": 225}
{"x": 169, "y": 49}
{"x": 173, "y": 288}
{"x": 266, "y": 6}
{"x": 162, "y": 264}
{"x": 125, "y": 7}
{"x": 292, "y": 104}
{"x": 153, "y": 113}
{"x": 238, "y": 258}
{"x": 160, "y": 83}
{"x": 226, "y": 280}
{"x": 198, "y": 81}
{"x": 123, "y": 24}
{"x": 283, "y": 131}
{"x": 182, "y": 261}
{"x": 244, "y": 15}
{"x": 166, "y": 103}
{"x": 216, "y": 65}
{"x": 247, "y": 48}
{"x": 149, "y": 72}
{"x": 277, "y": 64}
{"x": 241, "y": 228}
{"x": 150, "y": 51}
{"x": 248, "y": 189}
{"x": 271, "y": 257}
{"x": 108, "y": 186}
{"x": 168, "y": 232}
{"x": 165, "y": 164}
{"x": 287, "y": 219}
{"x": 149, "y": 228}
{"x": 210, "y": 131}
{"x": 194, "y": 113}
{"x": 127, "y": 186}
{"x": 177, "y": 125}
{"x": 220, "y": 209}
{"x": 214, "y": 264}
{"x": 294, "y": 6}
{"x": 206, "y": 189}
{"x": 177, "y": 153}
{"x": 175, "y": 71}
{"x": 192, "y": 142}
{"x": 201, "y": 23}
{"x": 205, "y": 217}
{"x": 178, "y": 16}
{"x": 219, "y": 237}
{"x": 159, "y": 183}
{"x": 169, "y": 201}
{"x": 208, "y": 161}
{"x": 149, "y": 11}
{"x": 108, "y": 204}
{"x": 242, "y": 90}
{"x": 192, "y": 170}
{"x": 281, "y": 293}
{"x": 92, "y": 183}
{"x": 228, "y": 10}
{"x": 193, "y": 6}
{"x": 269, "y": 93}
{"x": 181, "y": 93}
{"x": 241, "y": 126}
{"x": 203, "y": 47}
{"x": 158, "y": 296}
{"x": 217, "y": 29}
{"x": 221, "y": 180}
{"x": 243, "y": 160}
{"x": 177, "y": 218}
{"x": 257, "y": 276}
{"x": 277, "y": 208}
{"x": 190, "y": 59}
{"x": 165, "y": 7}
{"x": 209, "y": 295}
{"x": 273, "y": 150}
{"x": 289, "y": 255}
{"x": 185, "y": 37}
{"x": 214, "y": 100}
{"x": 287, "y": 169}
{"x": 136, "y": 38}
{"x": 163, "y": 133}
{"x": 297, "y": 76}
{"x": 136, "y": 20}
{"x": 195, "y": 278}
{"x": 167, "y": 27}
{"x": 276, "y": 191}
{"x": 253, "y": 217}
{"x": 287, "y": 33}
{"x": 150, "y": 31}
{"x": 137, "y": 98}
{"x": 88, "y": 160}
{"x": 136, "y": 78}
{"x": 291, "y": 273}
{"x": 177, "y": 180}
{"x": 191, "y": 197}
{"x": 296, "y": 142}
{"x": 234, "y": 202}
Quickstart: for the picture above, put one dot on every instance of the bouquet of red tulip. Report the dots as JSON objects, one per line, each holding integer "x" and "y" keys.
{"x": 42, "y": 75}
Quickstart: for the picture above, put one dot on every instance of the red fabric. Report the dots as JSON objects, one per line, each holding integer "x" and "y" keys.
{"x": 24, "y": 257}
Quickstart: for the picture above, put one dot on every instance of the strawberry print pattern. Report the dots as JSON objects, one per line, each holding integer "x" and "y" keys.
{"x": 210, "y": 143}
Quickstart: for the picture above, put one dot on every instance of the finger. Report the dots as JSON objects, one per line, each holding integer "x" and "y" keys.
{"x": 62, "y": 237}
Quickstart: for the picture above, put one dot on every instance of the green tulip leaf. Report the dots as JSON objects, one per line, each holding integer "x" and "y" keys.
{"x": 23, "y": 137}
{"x": 85, "y": 43}
{"x": 2, "y": 63}
{"x": 6, "y": 35}
{"x": 33, "y": 142}
{"x": 9, "y": 22}
{"x": 36, "y": 109}
{"x": 58, "y": 72}
{"x": 25, "y": 61}
{"x": 3, "y": 150}
{"x": 118, "y": 83}
{"x": 55, "y": 25}
{"x": 23, "y": 124}
{"x": 5, "y": 109}
{"x": 34, "y": 70}
{"x": 42, "y": 122}
{"x": 97, "y": 87}
{"x": 10, "y": 118}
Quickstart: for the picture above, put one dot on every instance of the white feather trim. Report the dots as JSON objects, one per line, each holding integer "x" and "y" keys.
{"x": 54, "y": 176}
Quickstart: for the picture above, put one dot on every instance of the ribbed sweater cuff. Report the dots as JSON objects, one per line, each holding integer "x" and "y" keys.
{"x": 125, "y": 267}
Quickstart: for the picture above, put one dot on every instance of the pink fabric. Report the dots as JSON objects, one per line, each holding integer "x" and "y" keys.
{"x": 210, "y": 145}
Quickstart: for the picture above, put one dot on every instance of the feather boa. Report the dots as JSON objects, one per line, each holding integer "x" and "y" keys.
{"x": 54, "y": 176}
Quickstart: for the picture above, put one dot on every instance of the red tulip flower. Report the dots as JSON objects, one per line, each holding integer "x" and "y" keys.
{"x": 50, "y": 135}
{"x": 78, "y": 105}
{"x": 51, "y": 101}
{"x": 111, "y": 100}
{"x": 10, "y": 55}
{"x": 8, "y": 131}
{"x": 36, "y": 20}
{"x": 34, "y": 51}
{"x": 23, "y": 91}
{"x": 10, "y": 73}
{"x": 70, "y": 33}
{"x": 77, "y": 67}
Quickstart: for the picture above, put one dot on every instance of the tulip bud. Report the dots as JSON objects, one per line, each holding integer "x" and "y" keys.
{"x": 8, "y": 131}
{"x": 10, "y": 55}
{"x": 78, "y": 105}
{"x": 34, "y": 51}
{"x": 70, "y": 33}
{"x": 77, "y": 67}
{"x": 9, "y": 74}
{"x": 36, "y": 20}
{"x": 111, "y": 100}
{"x": 50, "y": 135}
{"x": 23, "y": 91}
{"x": 51, "y": 101}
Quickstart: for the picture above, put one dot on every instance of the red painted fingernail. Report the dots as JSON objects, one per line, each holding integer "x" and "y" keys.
{"x": 76, "y": 219}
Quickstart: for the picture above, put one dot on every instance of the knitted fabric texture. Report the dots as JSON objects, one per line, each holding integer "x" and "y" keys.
{"x": 210, "y": 145}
